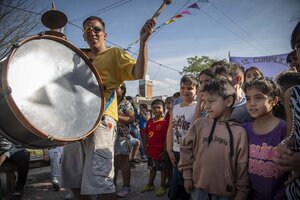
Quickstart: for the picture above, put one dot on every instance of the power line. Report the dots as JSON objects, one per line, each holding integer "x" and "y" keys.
{"x": 106, "y": 40}
{"x": 14, "y": 7}
{"x": 228, "y": 28}
{"x": 156, "y": 73}
{"x": 161, "y": 27}
{"x": 161, "y": 65}
{"x": 240, "y": 28}
{"x": 158, "y": 29}
{"x": 148, "y": 58}
{"x": 105, "y": 9}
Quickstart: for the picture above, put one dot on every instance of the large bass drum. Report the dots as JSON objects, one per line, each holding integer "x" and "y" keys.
{"x": 50, "y": 93}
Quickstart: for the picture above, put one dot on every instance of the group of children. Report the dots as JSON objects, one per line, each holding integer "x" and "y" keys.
{"x": 224, "y": 138}
{"x": 216, "y": 156}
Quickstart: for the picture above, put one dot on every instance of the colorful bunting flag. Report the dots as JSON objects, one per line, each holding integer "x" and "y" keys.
{"x": 169, "y": 21}
{"x": 178, "y": 16}
{"x": 186, "y": 12}
{"x": 194, "y": 5}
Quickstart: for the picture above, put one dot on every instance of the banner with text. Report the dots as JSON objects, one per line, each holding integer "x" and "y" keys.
{"x": 269, "y": 65}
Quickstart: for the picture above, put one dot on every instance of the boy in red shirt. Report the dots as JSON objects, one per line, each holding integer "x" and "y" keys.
{"x": 155, "y": 138}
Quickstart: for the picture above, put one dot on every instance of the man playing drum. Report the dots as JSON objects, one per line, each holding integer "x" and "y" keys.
{"x": 87, "y": 166}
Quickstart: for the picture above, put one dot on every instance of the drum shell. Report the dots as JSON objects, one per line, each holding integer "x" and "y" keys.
{"x": 14, "y": 125}
{"x": 11, "y": 124}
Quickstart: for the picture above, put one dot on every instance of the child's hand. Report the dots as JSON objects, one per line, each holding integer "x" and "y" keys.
{"x": 293, "y": 176}
{"x": 172, "y": 158}
{"x": 2, "y": 158}
{"x": 188, "y": 185}
{"x": 287, "y": 159}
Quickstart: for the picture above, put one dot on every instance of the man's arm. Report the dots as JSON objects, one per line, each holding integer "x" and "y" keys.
{"x": 140, "y": 68}
{"x": 169, "y": 141}
{"x": 7, "y": 148}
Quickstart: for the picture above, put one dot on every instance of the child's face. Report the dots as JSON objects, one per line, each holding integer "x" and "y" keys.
{"x": 215, "y": 106}
{"x": 203, "y": 79}
{"x": 168, "y": 105}
{"x": 187, "y": 92}
{"x": 142, "y": 109}
{"x": 157, "y": 110}
{"x": 251, "y": 74}
{"x": 258, "y": 104}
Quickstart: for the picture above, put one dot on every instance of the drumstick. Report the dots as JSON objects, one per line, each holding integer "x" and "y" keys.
{"x": 161, "y": 8}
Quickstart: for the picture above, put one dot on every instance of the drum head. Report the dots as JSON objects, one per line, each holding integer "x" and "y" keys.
{"x": 55, "y": 90}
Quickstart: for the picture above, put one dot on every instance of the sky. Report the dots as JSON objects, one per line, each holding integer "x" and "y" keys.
{"x": 241, "y": 27}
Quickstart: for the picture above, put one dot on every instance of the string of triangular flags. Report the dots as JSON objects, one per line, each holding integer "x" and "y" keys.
{"x": 172, "y": 19}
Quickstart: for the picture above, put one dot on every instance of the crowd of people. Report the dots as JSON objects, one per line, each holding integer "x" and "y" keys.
{"x": 230, "y": 134}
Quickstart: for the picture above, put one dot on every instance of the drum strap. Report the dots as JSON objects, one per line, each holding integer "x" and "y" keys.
{"x": 110, "y": 99}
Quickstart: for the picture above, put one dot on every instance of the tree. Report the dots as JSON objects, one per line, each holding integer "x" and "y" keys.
{"x": 197, "y": 64}
{"x": 17, "y": 21}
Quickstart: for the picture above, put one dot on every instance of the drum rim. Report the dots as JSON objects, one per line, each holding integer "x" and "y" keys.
{"x": 17, "y": 112}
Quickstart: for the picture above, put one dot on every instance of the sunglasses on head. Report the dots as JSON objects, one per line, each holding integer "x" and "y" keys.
{"x": 95, "y": 29}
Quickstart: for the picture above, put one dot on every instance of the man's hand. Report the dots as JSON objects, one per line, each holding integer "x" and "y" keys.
{"x": 2, "y": 159}
{"x": 188, "y": 185}
{"x": 147, "y": 30}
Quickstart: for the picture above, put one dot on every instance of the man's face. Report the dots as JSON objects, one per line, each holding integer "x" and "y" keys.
{"x": 94, "y": 34}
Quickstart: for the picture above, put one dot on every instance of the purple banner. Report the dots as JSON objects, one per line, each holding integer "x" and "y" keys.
{"x": 269, "y": 65}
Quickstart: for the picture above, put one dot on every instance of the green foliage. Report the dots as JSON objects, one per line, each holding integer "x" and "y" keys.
{"x": 197, "y": 64}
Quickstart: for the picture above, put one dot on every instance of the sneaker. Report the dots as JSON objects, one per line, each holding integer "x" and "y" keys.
{"x": 167, "y": 184}
{"x": 135, "y": 161}
{"x": 147, "y": 188}
{"x": 55, "y": 187}
{"x": 144, "y": 159}
{"x": 18, "y": 194}
{"x": 124, "y": 192}
{"x": 69, "y": 196}
{"x": 161, "y": 191}
{"x": 132, "y": 165}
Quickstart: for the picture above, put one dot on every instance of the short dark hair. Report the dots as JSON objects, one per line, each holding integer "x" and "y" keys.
{"x": 94, "y": 18}
{"x": 287, "y": 79}
{"x": 158, "y": 102}
{"x": 207, "y": 72}
{"x": 218, "y": 63}
{"x": 176, "y": 95}
{"x": 143, "y": 105}
{"x": 223, "y": 69}
{"x": 221, "y": 87}
{"x": 129, "y": 98}
{"x": 295, "y": 32}
{"x": 189, "y": 80}
{"x": 168, "y": 100}
{"x": 291, "y": 56}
